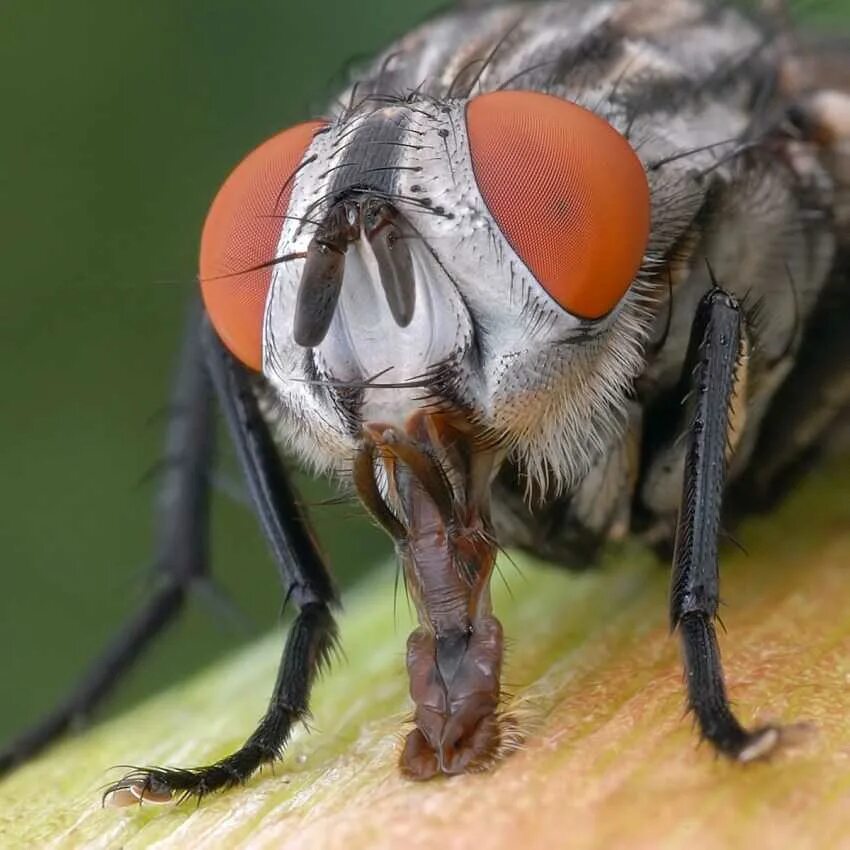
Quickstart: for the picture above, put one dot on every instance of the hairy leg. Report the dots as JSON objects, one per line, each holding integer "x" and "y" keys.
{"x": 713, "y": 354}
{"x": 306, "y": 582}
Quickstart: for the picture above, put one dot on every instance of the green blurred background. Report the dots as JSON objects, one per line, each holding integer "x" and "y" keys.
{"x": 119, "y": 121}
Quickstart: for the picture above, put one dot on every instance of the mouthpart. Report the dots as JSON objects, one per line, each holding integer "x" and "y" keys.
{"x": 428, "y": 485}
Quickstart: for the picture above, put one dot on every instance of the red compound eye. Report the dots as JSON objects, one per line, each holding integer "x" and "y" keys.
{"x": 242, "y": 232}
{"x": 567, "y": 191}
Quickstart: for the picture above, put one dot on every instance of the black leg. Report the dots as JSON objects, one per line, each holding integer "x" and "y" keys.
{"x": 715, "y": 347}
{"x": 307, "y": 648}
{"x": 181, "y": 549}
{"x": 306, "y": 581}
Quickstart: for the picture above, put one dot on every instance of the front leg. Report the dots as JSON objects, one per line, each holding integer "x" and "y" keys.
{"x": 306, "y": 582}
{"x": 713, "y": 354}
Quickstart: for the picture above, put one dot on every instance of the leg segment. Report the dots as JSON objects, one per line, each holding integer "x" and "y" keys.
{"x": 181, "y": 550}
{"x": 306, "y": 581}
{"x": 307, "y": 649}
{"x": 712, "y": 357}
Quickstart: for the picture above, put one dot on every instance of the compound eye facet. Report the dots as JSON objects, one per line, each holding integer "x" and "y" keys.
{"x": 567, "y": 191}
{"x": 241, "y": 234}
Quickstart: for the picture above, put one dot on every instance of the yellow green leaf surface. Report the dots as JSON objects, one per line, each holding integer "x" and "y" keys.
{"x": 608, "y": 759}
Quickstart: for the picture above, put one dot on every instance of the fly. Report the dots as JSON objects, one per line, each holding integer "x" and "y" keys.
{"x": 476, "y": 294}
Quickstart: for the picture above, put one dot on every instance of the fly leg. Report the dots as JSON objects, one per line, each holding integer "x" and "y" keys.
{"x": 714, "y": 350}
{"x": 305, "y": 581}
{"x": 181, "y": 551}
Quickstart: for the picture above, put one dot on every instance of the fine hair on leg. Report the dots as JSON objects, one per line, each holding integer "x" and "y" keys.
{"x": 305, "y": 580}
{"x": 713, "y": 355}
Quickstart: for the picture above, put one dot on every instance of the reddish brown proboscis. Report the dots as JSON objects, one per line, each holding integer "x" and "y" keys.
{"x": 435, "y": 507}
{"x": 457, "y": 730}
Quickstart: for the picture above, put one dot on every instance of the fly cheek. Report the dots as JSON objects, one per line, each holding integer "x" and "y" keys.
{"x": 240, "y": 240}
{"x": 567, "y": 191}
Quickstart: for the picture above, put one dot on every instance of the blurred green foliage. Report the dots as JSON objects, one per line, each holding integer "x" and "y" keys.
{"x": 119, "y": 122}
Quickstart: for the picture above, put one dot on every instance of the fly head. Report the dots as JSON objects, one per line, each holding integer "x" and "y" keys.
{"x": 437, "y": 286}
